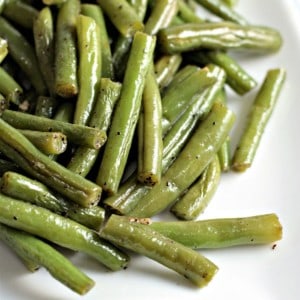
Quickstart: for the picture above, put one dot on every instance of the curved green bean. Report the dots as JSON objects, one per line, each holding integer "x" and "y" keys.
{"x": 261, "y": 111}
{"x": 66, "y": 84}
{"x": 219, "y": 35}
{"x": 126, "y": 113}
{"x": 21, "y": 187}
{"x": 197, "y": 197}
{"x": 190, "y": 163}
{"x": 16, "y": 147}
{"x": 144, "y": 240}
{"x": 23, "y": 54}
{"x": 224, "y": 232}
{"x": 59, "y": 230}
{"x": 3, "y": 49}
{"x": 38, "y": 252}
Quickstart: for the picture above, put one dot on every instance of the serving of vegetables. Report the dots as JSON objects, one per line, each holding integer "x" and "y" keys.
{"x": 113, "y": 112}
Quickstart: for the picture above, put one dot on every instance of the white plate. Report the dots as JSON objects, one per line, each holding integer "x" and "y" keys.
{"x": 271, "y": 185}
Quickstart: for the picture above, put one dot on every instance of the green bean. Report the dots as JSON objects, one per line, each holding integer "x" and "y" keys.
{"x": 43, "y": 33}
{"x": 187, "y": 14}
{"x": 190, "y": 163}
{"x": 230, "y": 3}
{"x": 45, "y": 106}
{"x": 16, "y": 147}
{"x": 94, "y": 11}
{"x": 258, "y": 118}
{"x": 20, "y": 13}
{"x": 89, "y": 71}
{"x": 237, "y": 78}
{"x": 54, "y": 2}
{"x": 59, "y": 230}
{"x": 144, "y": 240}
{"x": 3, "y": 49}
{"x": 123, "y": 16}
{"x": 34, "y": 249}
{"x": 2, "y": 3}
{"x": 223, "y": 11}
{"x": 123, "y": 44}
{"x": 161, "y": 16}
{"x": 21, "y": 187}
{"x": 66, "y": 84}
{"x": 126, "y": 113}
{"x": 10, "y": 89}
{"x": 47, "y": 142}
{"x": 64, "y": 112}
{"x": 6, "y": 165}
{"x": 100, "y": 118}
{"x": 175, "y": 100}
{"x": 4, "y": 103}
{"x": 23, "y": 54}
{"x": 165, "y": 68}
{"x": 219, "y": 35}
{"x": 219, "y": 233}
{"x": 77, "y": 134}
{"x": 197, "y": 197}
{"x": 150, "y": 133}
{"x": 131, "y": 193}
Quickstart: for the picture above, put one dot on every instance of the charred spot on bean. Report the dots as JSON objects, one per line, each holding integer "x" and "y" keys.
{"x": 118, "y": 133}
{"x": 15, "y": 218}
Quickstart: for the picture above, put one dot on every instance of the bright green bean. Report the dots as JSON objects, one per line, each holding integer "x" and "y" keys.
{"x": 34, "y": 249}
{"x": 197, "y": 197}
{"x": 21, "y": 187}
{"x": 59, "y": 230}
{"x": 190, "y": 163}
{"x": 66, "y": 84}
{"x": 23, "y": 54}
{"x": 16, "y": 147}
{"x": 126, "y": 113}
{"x": 219, "y": 35}
{"x": 143, "y": 240}
{"x": 258, "y": 118}
{"x": 219, "y": 233}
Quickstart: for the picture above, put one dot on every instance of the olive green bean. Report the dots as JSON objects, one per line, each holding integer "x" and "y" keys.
{"x": 150, "y": 133}
{"x": 77, "y": 134}
{"x": 9, "y": 88}
{"x": 230, "y": 3}
{"x": 165, "y": 68}
{"x": 237, "y": 78}
{"x": 47, "y": 142}
{"x": 66, "y": 82}
{"x": 161, "y": 15}
{"x": 219, "y": 35}
{"x": 23, "y": 54}
{"x": 4, "y": 103}
{"x": 222, "y": 10}
{"x": 123, "y": 16}
{"x": 21, "y": 187}
{"x": 187, "y": 14}
{"x": 43, "y": 33}
{"x": 3, "y": 49}
{"x": 59, "y": 230}
{"x": 37, "y": 251}
{"x": 258, "y": 118}
{"x": 20, "y": 13}
{"x": 223, "y": 232}
{"x": 84, "y": 158}
{"x": 94, "y": 11}
{"x": 197, "y": 197}
{"x": 54, "y": 2}
{"x": 126, "y": 113}
{"x": 131, "y": 192}
{"x": 45, "y": 106}
{"x": 144, "y": 240}
{"x": 89, "y": 70}
{"x": 16, "y": 147}
{"x": 190, "y": 163}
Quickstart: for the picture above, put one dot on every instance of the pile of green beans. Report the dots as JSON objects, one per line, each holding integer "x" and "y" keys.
{"x": 115, "y": 111}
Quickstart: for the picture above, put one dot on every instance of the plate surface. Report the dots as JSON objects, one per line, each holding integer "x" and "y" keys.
{"x": 270, "y": 185}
